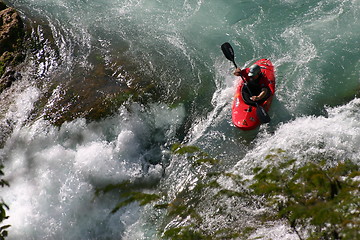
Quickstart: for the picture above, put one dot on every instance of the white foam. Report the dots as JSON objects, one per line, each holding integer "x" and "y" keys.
{"x": 53, "y": 172}
{"x": 333, "y": 138}
{"x": 275, "y": 232}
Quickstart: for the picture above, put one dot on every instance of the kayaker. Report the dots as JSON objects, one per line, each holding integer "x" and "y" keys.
{"x": 256, "y": 82}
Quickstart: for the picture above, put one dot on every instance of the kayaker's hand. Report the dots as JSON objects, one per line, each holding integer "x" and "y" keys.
{"x": 254, "y": 98}
{"x": 260, "y": 96}
{"x": 237, "y": 72}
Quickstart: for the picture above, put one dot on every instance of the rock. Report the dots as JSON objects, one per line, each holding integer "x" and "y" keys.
{"x": 11, "y": 40}
{"x": 2, "y": 5}
{"x": 11, "y": 30}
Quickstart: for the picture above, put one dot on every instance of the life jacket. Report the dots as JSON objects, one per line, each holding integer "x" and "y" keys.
{"x": 256, "y": 89}
{"x": 262, "y": 82}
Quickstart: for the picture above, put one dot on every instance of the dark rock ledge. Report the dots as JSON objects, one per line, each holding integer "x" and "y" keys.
{"x": 12, "y": 34}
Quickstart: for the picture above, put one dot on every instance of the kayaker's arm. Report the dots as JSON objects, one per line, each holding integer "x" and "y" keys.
{"x": 264, "y": 93}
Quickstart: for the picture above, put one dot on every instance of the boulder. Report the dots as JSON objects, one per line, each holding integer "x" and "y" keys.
{"x": 11, "y": 44}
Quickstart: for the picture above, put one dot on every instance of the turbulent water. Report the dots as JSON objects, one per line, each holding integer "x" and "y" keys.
{"x": 86, "y": 51}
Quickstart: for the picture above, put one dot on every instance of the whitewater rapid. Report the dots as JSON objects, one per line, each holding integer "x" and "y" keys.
{"x": 54, "y": 171}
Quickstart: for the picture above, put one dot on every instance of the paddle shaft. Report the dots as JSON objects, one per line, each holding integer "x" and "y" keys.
{"x": 230, "y": 55}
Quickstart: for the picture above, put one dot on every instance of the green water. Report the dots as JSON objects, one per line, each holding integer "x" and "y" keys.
{"x": 88, "y": 56}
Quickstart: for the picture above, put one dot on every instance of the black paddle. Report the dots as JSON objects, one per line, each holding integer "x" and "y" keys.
{"x": 229, "y": 52}
{"x": 230, "y": 55}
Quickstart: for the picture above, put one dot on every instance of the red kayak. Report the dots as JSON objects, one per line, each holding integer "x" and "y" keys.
{"x": 245, "y": 116}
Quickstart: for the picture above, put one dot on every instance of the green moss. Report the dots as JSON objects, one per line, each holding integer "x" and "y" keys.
{"x": 312, "y": 198}
{"x": 2, "y": 68}
{"x": 5, "y": 60}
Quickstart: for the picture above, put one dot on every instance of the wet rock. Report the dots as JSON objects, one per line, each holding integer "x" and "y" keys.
{"x": 2, "y": 5}
{"x": 11, "y": 44}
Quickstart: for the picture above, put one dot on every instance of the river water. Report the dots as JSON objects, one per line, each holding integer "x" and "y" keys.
{"x": 84, "y": 52}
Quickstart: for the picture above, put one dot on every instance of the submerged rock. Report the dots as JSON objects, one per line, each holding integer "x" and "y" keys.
{"x": 93, "y": 92}
{"x": 11, "y": 44}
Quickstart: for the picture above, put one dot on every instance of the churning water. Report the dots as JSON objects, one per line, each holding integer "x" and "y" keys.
{"x": 87, "y": 50}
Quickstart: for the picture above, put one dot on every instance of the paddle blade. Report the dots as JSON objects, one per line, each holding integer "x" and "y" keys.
{"x": 228, "y": 51}
{"x": 262, "y": 115}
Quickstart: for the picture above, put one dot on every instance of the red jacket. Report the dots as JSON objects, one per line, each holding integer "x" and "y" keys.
{"x": 263, "y": 81}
